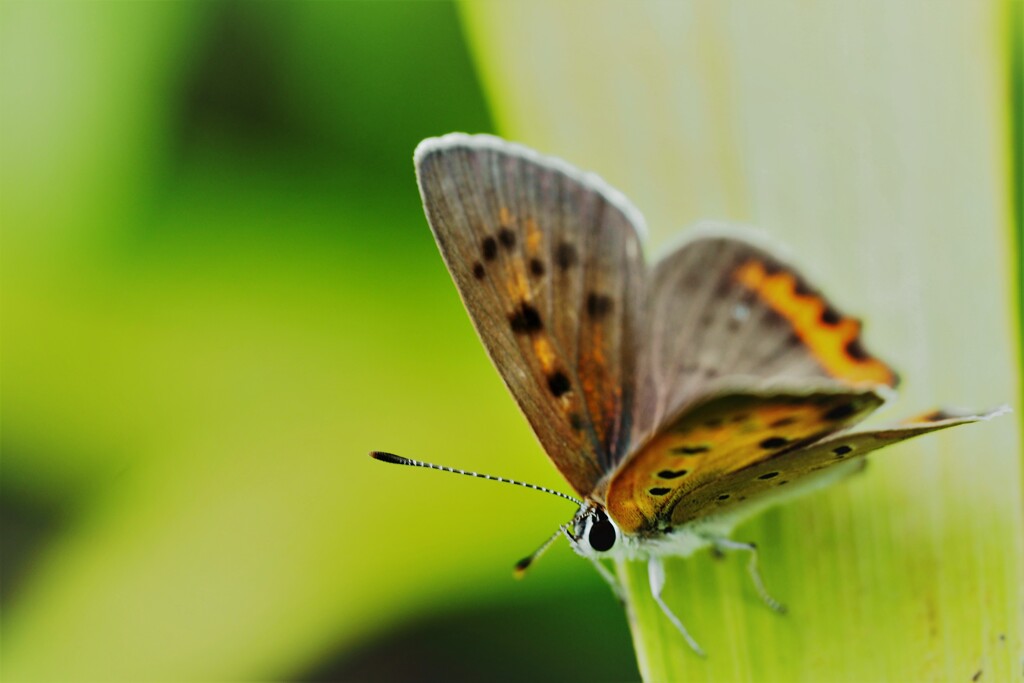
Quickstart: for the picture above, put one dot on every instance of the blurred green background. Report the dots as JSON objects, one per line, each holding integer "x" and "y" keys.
{"x": 219, "y": 293}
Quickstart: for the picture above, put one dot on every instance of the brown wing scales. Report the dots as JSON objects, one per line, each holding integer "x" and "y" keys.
{"x": 549, "y": 266}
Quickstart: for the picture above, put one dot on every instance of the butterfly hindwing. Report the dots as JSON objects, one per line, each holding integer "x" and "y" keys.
{"x": 549, "y": 265}
{"x": 720, "y": 306}
{"x": 720, "y": 435}
{"x": 747, "y": 484}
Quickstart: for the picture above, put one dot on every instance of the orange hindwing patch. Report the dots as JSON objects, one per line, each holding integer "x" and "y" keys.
{"x": 832, "y": 338}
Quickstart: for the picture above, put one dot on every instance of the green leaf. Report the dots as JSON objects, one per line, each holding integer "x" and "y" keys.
{"x": 872, "y": 139}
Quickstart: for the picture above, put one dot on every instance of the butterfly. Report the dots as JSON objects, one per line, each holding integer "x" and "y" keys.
{"x": 676, "y": 398}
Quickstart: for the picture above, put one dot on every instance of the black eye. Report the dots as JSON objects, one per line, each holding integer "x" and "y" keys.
{"x": 602, "y": 535}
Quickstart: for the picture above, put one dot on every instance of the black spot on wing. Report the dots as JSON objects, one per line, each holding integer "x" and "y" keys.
{"x": 855, "y": 350}
{"x": 566, "y": 256}
{"x": 830, "y": 316}
{"x": 672, "y": 474}
{"x": 525, "y": 320}
{"x": 769, "y": 475}
{"x": 478, "y": 270}
{"x": 691, "y": 450}
{"x": 840, "y": 451}
{"x": 536, "y": 267}
{"x": 489, "y": 249}
{"x": 801, "y": 287}
{"x": 507, "y": 238}
{"x": 558, "y": 383}
{"x": 658, "y": 491}
{"x": 774, "y": 442}
{"x": 840, "y": 412}
{"x": 598, "y": 305}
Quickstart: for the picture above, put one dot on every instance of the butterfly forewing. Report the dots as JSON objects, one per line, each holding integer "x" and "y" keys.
{"x": 723, "y": 307}
{"x": 747, "y": 484}
{"x": 548, "y": 263}
{"x": 721, "y": 435}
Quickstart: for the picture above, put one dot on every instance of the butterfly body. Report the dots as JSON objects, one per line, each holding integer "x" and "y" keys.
{"x": 676, "y": 398}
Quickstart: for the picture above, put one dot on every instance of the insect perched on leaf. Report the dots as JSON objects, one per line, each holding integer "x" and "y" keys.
{"x": 676, "y": 398}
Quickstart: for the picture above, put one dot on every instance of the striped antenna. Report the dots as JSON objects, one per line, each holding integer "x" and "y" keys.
{"x": 399, "y": 460}
{"x": 524, "y": 564}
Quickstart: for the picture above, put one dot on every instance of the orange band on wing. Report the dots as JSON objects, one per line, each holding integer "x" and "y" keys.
{"x": 831, "y": 338}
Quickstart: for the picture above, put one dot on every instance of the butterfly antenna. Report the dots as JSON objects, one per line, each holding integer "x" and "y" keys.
{"x": 524, "y": 564}
{"x": 399, "y": 460}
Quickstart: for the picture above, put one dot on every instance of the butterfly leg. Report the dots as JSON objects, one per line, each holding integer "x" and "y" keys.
{"x": 755, "y": 574}
{"x": 610, "y": 578}
{"x": 656, "y": 575}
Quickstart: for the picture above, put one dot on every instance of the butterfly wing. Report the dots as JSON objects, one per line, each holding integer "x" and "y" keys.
{"x": 727, "y": 322}
{"x": 548, "y": 263}
{"x": 723, "y": 307}
{"x": 721, "y": 435}
{"x": 749, "y": 483}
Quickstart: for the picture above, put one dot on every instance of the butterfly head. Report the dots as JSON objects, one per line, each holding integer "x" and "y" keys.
{"x": 592, "y": 533}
